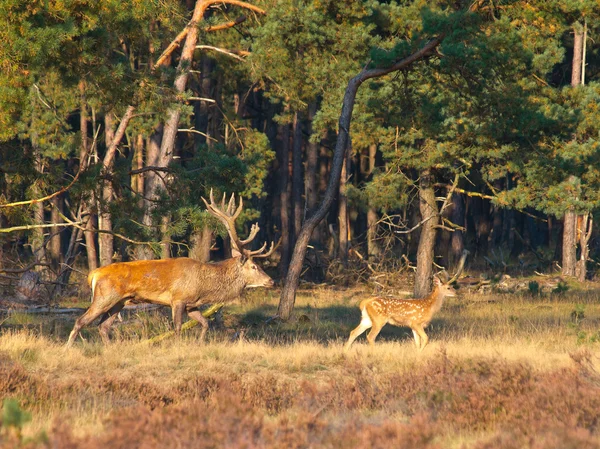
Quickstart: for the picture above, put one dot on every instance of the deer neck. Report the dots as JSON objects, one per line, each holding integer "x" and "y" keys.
{"x": 437, "y": 300}
{"x": 230, "y": 281}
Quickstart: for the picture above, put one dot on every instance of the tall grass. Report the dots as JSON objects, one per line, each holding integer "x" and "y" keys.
{"x": 497, "y": 371}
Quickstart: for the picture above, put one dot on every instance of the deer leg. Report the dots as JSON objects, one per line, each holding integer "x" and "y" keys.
{"x": 178, "y": 308}
{"x": 377, "y": 326}
{"x": 424, "y": 337}
{"x": 417, "y": 338}
{"x": 197, "y": 315}
{"x": 365, "y": 323}
{"x": 90, "y": 315}
{"x": 107, "y": 321}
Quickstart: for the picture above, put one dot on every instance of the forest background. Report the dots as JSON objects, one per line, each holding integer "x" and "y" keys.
{"x": 475, "y": 127}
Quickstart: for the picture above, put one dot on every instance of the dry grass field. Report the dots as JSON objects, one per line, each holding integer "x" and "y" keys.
{"x": 501, "y": 371}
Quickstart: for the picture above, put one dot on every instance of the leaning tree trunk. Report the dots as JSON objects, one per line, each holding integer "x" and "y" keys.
{"x": 430, "y": 218}
{"x": 288, "y": 293}
{"x": 105, "y": 238}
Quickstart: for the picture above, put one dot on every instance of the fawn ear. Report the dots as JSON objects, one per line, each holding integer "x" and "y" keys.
{"x": 437, "y": 281}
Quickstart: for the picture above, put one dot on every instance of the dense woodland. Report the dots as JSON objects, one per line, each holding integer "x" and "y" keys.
{"x": 395, "y": 134}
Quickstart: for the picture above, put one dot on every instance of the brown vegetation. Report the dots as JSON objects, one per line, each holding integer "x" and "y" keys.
{"x": 486, "y": 380}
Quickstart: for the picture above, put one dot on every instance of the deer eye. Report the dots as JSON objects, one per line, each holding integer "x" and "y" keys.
{"x": 254, "y": 267}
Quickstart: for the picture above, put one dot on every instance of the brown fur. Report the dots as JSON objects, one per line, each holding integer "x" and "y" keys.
{"x": 183, "y": 284}
{"x": 414, "y": 313}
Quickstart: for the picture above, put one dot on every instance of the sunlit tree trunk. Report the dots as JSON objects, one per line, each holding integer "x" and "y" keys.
{"x": 569, "y": 247}
{"x": 430, "y": 218}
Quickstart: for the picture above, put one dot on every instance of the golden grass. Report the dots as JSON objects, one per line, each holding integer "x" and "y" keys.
{"x": 542, "y": 333}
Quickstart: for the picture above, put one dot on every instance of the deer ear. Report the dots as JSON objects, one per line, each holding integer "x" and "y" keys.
{"x": 235, "y": 253}
{"x": 437, "y": 281}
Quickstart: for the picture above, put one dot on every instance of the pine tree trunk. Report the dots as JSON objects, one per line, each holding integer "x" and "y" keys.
{"x": 569, "y": 244}
{"x": 569, "y": 241}
{"x": 373, "y": 249}
{"x": 151, "y": 186}
{"x": 297, "y": 179}
{"x": 90, "y": 241}
{"x": 169, "y": 133}
{"x": 200, "y": 243}
{"x": 55, "y": 243}
{"x": 584, "y": 231}
{"x": 284, "y": 198}
{"x": 430, "y": 218}
{"x": 310, "y": 176}
{"x": 457, "y": 241}
{"x": 320, "y": 234}
{"x": 343, "y": 221}
{"x": 105, "y": 240}
{"x": 88, "y": 209}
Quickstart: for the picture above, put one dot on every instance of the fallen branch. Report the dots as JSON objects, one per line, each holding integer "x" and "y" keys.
{"x": 187, "y": 325}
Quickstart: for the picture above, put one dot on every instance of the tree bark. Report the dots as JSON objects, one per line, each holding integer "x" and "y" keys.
{"x": 201, "y": 242}
{"x": 343, "y": 221}
{"x": 297, "y": 180}
{"x": 105, "y": 240}
{"x": 584, "y": 232}
{"x": 430, "y": 217}
{"x": 288, "y": 293}
{"x": 84, "y": 158}
{"x": 569, "y": 250}
{"x": 312, "y": 159}
{"x": 284, "y": 198}
{"x": 569, "y": 244}
{"x": 457, "y": 241}
{"x": 55, "y": 244}
{"x": 373, "y": 249}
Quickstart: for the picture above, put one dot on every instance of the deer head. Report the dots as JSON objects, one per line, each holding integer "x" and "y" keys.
{"x": 227, "y": 213}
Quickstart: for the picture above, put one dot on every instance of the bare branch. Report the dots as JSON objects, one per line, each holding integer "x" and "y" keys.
{"x": 224, "y": 26}
{"x": 195, "y": 131}
{"x": 182, "y": 35}
{"x": 38, "y": 226}
{"x": 234, "y": 54}
{"x": 150, "y": 168}
{"x": 24, "y": 269}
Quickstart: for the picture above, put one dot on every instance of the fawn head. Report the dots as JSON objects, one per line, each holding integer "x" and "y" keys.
{"x": 444, "y": 289}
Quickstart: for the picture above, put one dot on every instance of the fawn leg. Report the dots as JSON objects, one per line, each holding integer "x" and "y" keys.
{"x": 424, "y": 337}
{"x": 377, "y": 326}
{"x": 365, "y": 323}
{"x": 417, "y": 338}
{"x": 197, "y": 315}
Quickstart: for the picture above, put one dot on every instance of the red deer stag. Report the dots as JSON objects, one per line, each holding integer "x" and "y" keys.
{"x": 414, "y": 313}
{"x": 183, "y": 284}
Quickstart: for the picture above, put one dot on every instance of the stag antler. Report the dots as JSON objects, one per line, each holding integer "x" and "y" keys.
{"x": 227, "y": 213}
